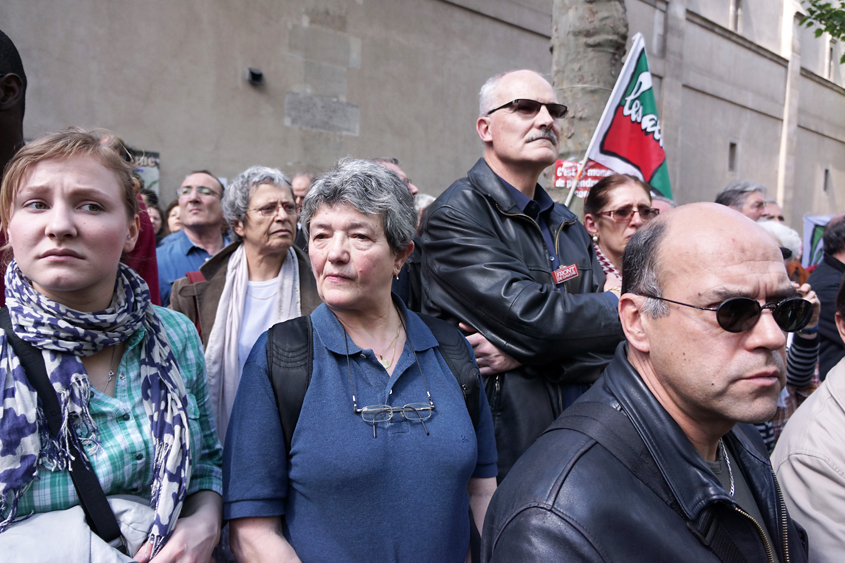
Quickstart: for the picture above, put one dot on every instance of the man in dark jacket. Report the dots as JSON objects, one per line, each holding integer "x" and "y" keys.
{"x": 517, "y": 271}
{"x": 675, "y": 477}
{"x": 825, "y": 281}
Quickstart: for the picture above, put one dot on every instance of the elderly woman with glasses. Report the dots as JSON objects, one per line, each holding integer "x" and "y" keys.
{"x": 385, "y": 461}
{"x": 255, "y": 282}
{"x": 616, "y": 208}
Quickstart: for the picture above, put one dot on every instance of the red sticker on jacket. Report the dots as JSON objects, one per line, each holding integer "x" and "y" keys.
{"x": 565, "y": 273}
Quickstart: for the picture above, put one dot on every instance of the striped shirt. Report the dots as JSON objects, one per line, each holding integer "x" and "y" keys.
{"x": 124, "y": 459}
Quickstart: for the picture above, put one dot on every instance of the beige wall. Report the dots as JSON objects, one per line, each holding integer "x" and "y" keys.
{"x": 362, "y": 78}
{"x": 734, "y": 90}
{"x": 400, "y": 77}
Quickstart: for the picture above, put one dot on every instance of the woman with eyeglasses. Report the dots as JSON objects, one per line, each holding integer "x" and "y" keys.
{"x": 384, "y": 462}
{"x": 253, "y": 283}
{"x": 615, "y": 209}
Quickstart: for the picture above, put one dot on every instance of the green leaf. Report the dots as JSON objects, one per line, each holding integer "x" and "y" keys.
{"x": 819, "y": 32}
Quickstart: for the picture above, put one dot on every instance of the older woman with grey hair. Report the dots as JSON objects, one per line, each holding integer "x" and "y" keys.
{"x": 386, "y": 459}
{"x": 255, "y": 282}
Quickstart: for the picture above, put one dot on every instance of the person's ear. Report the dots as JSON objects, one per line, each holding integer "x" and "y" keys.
{"x": 590, "y": 224}
{"x": 401, "y": 256}
{"x": 483, "y": 128}
{"x": 134, "y": 232}
{"x": 840, "y": 325}
{"x": 635, "y": 323}
{"x": 11, "y": 91}
{"x": 238, "y": 227}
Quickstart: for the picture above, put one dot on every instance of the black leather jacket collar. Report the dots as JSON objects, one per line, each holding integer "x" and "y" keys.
{"x": 483, "y": 179}
{"x": 690, "y": 479}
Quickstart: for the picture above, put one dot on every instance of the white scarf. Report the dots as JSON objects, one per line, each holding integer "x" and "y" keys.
{"x": 221, "y": 353}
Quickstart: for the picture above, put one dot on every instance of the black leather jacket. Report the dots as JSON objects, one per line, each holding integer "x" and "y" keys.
{"x": 569, "y": 499}
{"x": 825, "y": 280}
{"x": 485, "y": 263}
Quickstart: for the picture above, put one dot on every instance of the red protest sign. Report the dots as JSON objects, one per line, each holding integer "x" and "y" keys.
{"x": 566, "y": 170}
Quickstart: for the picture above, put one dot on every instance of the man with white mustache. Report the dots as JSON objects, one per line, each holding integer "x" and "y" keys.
{"x": 517, "y": 271}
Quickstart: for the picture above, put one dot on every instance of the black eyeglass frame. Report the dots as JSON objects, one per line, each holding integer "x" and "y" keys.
{"x": 550, "y": 106}
{"x": 775, "y": 308}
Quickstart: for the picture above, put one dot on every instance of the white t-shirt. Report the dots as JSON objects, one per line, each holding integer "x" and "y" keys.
{"x": 260, "y": 306}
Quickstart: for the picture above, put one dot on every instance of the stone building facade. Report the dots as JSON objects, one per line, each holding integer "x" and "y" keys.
{"x": 752, "y": 97}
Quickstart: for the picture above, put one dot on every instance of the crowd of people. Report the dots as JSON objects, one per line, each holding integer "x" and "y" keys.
{"x": 336, "y": 367}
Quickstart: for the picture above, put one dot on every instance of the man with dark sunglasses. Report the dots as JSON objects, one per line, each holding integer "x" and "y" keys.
{"x": 516, "y": 271}
{"x": 656, "y": 462}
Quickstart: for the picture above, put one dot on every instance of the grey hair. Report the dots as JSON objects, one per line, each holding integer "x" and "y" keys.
{"x": 485, "y": 95}
{"x": 386, "y": 160}
{"x": 735, "y": 193}
{"x": 421, "y": 201}
{"x": 786, "y": 236}
{"x": 640, "y": 266}
{"x": 372, "y": 190}
{"x": 236, "y": 198}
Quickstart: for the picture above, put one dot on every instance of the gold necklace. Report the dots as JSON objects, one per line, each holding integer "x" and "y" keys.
{"x": 381, "y": 360}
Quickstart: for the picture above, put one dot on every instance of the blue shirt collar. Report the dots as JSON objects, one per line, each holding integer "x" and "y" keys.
{"x": 332, "y": 334}
{"x": 186, "y": 245}
{"x": 541, "y": 203}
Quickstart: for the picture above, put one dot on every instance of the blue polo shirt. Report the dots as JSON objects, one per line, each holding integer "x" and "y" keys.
{"x": 538, "y": 209}
{"x": 176, "y": 258}
{"x": 401, "y": 496}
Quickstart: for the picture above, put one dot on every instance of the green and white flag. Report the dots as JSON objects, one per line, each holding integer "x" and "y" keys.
{"x": 628, "y": 139}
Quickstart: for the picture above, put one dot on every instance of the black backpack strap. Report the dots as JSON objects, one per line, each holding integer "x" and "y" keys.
{"x": 614, "y": 431}
{"x": 453, "y": 348}
{"x": 91, "y": 496}
{"x": 290, "y": 358}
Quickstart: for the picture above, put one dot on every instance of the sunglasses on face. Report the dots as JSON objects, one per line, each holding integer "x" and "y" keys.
{"x": 530, "y": 108}
{"x": 739, "y": 314}
{"x": 624, "y": 214}
{"x": 201, "y": 190}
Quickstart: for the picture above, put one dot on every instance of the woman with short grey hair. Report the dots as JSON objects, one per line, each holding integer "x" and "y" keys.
{"x": 253, "y": 283}
{"x": 385, "y": 460}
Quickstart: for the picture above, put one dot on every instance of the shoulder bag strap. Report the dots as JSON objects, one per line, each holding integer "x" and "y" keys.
{"x": 289, "y": 359}
{"x": 91, "y": 496}
{"x": 615, "y": 432}
{"x": 453, "y": 348}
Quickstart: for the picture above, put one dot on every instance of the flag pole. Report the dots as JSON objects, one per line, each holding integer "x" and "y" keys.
{"x": 575, "y": 183}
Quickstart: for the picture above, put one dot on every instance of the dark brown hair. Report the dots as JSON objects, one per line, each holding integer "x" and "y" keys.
{"x": 600, "y": 193}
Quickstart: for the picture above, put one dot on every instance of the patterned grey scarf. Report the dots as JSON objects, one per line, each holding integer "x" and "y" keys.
{"x": 64, "y": 335}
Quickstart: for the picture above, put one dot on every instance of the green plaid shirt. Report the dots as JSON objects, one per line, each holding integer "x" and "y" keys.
{"x": 123, "y": 461}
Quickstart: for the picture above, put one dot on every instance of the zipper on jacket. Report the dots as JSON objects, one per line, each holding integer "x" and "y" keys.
{"x": 559, "y": 230}
{"x": 521, "y": 215}
{"x": 497, "y": 383}
{"x": 557, "y": 235}
{"x": 784, "y": 524}
{"x": 760, "y": 531}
